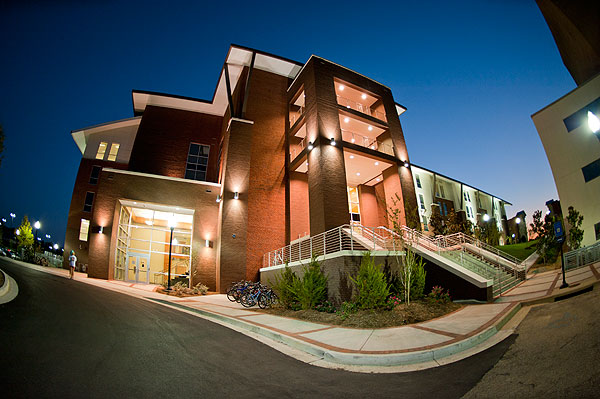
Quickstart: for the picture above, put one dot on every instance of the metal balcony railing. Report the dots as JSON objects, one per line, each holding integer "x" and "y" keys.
{"x": 295, "y": 115}
{"x": 483, "y": 259}
{"x": 582, "y": 256}
{"x": 346, "y": 102}
{"x": 367, "y": 142}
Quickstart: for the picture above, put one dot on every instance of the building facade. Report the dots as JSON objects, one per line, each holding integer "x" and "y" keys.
{"x": 283, "y": 150}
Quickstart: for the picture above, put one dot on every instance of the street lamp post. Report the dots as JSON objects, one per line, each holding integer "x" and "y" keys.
{"x": 12, "y": 222}
{"x": 37, "y": 226}
{"x": 171, "y": 226}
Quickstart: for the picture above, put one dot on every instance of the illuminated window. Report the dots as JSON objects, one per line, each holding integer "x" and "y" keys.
{"x": 101, "y": 150}
{"x": 353, "y": 204}
{"x": 84, "y": 229}
{"x": 114, "y": 149}
{"x": 89, "y": 202}
{"x": 197, "y": 161}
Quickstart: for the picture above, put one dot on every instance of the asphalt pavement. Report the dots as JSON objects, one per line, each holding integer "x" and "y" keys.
{"x": 64, "y": 338}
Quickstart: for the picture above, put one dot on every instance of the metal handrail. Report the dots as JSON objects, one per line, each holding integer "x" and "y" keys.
{"x": 367, "y": 142}
{"x": 365, "y": 109}
{"x": 582, "y": 256}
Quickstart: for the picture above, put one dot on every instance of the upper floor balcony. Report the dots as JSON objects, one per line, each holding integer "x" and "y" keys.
{"x": 359, "y": 100}
{"x": 358, "y": 132}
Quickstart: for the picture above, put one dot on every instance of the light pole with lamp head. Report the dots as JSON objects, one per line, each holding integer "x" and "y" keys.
{"x": 171, "y": 224}
{"x": 37, "y": 226}
{"x": 12, "y": 222}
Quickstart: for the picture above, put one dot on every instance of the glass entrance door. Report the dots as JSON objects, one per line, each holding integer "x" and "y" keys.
{"x": 137, "y": 268}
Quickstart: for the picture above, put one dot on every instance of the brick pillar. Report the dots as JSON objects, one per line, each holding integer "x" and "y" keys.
{"x": 234, "y": 212}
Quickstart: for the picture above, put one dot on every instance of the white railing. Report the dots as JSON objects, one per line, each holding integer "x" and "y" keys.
{"x": 295, "y": 150}
{"x": 344, "y": 238}
{"x": 295, "y": 115}
{"x": 356, "y": 237}
{"x": 365, "y": 109}
{"x": 367, "y": 142}
{"x": 582, "y": 256}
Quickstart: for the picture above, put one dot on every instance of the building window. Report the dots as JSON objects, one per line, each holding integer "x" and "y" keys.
{"x": 445, "y": 210}
{"x": 197, "y": 160}
{"x": 422, "y": 201}
{"x": 89, "y": 202}
{"x": 84, "y": 229}
{"x": 467, "y": 196}
{"x": 425, "y": 226}
{"x": 597, "y": 230}
{"x": 418, "y": 181}
{"x": 95, "y": 174}
{"x": 101, "y": 150}
{"x": 114, "y": 149}
{"x": 353, "y": 204}
{"x": 591, "y": 171}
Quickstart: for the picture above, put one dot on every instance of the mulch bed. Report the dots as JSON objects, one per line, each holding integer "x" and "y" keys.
{"x": 401, "y": 315}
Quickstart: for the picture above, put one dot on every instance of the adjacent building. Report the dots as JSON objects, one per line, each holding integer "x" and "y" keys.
{"x": 568, "y": 128}
{"x": 282, "y": 151}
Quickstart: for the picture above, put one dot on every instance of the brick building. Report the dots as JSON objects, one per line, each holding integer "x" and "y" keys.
{"x": 284, "y": 150}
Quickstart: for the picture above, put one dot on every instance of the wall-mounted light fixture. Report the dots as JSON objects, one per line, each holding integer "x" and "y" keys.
{"x": 207, "y": 243}
{"x": 101, "y": 229}
{"x": 332, "y": 141}
{"x": 310, "y": 145}
{"x": 406, "y": 164}
{"x": 518, "y": 220}
{"x": 593, "y": 122}
{"x": 486, "y": 217}
{"x": 236, "y": 195}
{"x": 218, "y": 198}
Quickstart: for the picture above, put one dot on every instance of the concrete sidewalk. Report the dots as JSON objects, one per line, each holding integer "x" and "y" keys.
{"x": 444, "y": 340}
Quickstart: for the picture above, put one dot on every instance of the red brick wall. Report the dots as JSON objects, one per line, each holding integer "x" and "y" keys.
{"x": 115, "y": 186}
{"x": 369, "y": 215}
{"x": 299, "y": 217}
{"x": 392, "y": 186}
{"x": 163, "y": 139}
{"x": 76, "y": 213}
{"x": 267, "y": 107}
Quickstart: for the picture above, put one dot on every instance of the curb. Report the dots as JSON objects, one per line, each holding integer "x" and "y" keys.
{"x": 357, "y": 359}
{"x": 9, "y": 289}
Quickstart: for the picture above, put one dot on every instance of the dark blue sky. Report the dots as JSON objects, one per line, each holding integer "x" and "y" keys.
{"x": 470, "y": 73}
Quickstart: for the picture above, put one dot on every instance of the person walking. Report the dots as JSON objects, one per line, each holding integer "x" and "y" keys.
{"x": 72, "y": 263}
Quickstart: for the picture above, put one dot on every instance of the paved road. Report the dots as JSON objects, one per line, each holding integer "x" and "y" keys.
{"x": 63, "y": 338}
{"x": 556, "y": 354}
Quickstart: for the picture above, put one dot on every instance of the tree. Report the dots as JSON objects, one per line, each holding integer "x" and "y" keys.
{"x": 456, "y": 224}
{"x": 546, "y": 245}
{"x": 437, "y": 224}
{"x": 25, "y": 237}
{"x": 394, "y": 212}
{"x": 575, "y": 233}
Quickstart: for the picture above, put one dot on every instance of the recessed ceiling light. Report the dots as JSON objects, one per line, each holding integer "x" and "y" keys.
{"x": 364, "y": 96}
{"x": 372, "y": 147}
{"x": 149, "y": 222}
{"x": 378, "y": 179}
{"x": 376, "y": 163}
{"x": 357, "y": 173}
{"x": 370, "y": 128}
{"x": 347, "y": 106}
{"x": 353, "y": 140}
{"x": 307, "y": 164}
{"x": 351, "y": 156}
{"x": 346, "y": 119}
{"x": 341, "y": 87}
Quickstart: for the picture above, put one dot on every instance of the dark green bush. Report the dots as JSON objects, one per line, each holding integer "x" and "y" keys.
{"x": 371, "y": 285}
{"x": 286, "y": 288}
{"x": 438, "y": 295}
{"x": 326, "y": 307}
{"x": 312, "y": 289}
{"x": 346, "y": 309}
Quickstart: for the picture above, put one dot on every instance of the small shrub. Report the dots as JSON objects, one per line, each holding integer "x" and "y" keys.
{"x": 326, "y": 307}
{"x": 286, "y": 288}
{"x": 200, "y": 289}
{"x": 346, "y": 309}
{"x": 417, "y": 284}
{"x": 392, "y": 301}
{"x": 312, "y": 289}
{"x": 371, "y": 285}
{"x": 437, "y": 295}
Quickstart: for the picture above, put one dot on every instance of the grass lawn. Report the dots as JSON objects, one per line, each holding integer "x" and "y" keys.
{"x": 520, "y": 251}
